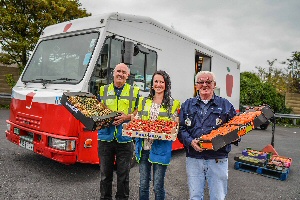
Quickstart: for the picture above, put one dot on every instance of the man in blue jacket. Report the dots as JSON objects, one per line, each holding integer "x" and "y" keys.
{"x": 199, "y": 116}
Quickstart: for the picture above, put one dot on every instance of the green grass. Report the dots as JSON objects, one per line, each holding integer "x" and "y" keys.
{"x": 4, "y": 107}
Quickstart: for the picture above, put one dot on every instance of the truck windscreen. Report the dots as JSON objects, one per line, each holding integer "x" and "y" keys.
{"x": 61, "y": 60}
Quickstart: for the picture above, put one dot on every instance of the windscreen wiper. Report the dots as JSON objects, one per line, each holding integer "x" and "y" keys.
{"x": 39, "y": 80}
{"x": 65, "y": 79}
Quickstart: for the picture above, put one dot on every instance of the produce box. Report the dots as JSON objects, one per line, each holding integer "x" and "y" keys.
{"x": 244, "y": 129}
{"x": 256, "y": 154}
{"x": 251, "y": 160}
{"x": 88, "y": 110}
{"x": 238, "y": 126}
{"x": 158, "y": 129}
{"x": 219, "y": 137}
{"x": 279, "y": 162}
{"x": 264, "y": 114}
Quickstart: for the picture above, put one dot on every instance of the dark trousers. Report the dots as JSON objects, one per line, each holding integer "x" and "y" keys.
{"x": 109, "y": 152}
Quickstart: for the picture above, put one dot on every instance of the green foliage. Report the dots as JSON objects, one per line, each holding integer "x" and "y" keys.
{"x": 22, "y": 22}
{"x": 294, "y": 72}
{"x": 255, "y": 92}
{"x": 4, "y": 107}
{"x": 275, "y": 76}
{"x": 10, "y": 80}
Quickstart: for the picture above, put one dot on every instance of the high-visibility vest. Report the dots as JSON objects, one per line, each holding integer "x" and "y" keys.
{"x": 125, "y": 103}
{"x": 145, "y": 105}
{"x": 161, "y": 150}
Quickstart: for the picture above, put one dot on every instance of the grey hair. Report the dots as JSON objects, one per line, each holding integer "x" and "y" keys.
{"x": 205, "y": 72}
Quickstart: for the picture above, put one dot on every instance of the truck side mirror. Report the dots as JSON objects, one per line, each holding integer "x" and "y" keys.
{"x": 127, "y": 52}
{"x": 139, "y": 48}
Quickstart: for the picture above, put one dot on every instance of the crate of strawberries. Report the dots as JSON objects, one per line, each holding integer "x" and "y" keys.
{"x": 152, "y": 129}
{"x": 88, "y": 110}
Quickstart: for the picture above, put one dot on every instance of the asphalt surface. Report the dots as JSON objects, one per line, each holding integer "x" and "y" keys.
{"x": 26, "y": 175}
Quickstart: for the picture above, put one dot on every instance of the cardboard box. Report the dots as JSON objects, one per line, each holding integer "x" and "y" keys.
{"x": 255, "y": 154}
{"x": 280, "y": 161}
{"x": 150, "y": 135}
{"x": 91, "y": 123}
{"x": 221, "y": 140}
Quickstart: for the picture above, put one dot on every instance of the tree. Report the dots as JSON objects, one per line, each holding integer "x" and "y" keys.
{"x": 254, "y": 92}
{"x": 275, "y": 76}
{"x": 22, "y": 22}
{"x": 293, "y": 64}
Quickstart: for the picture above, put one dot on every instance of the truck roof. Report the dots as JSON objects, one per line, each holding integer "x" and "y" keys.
{"x": 98, "y": 21}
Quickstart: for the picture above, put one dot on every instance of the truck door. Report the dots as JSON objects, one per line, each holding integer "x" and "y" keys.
{"x": 202, "y": 63}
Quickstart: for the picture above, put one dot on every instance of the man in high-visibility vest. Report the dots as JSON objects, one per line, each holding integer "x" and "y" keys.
{"x": 123, "y": 98}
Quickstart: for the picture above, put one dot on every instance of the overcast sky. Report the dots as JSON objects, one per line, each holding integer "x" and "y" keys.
{"x": 251, "y": 32}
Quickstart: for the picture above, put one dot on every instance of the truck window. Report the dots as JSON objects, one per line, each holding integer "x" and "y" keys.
{"x": 141, "y": 71}
{"x": 61, "y": 60}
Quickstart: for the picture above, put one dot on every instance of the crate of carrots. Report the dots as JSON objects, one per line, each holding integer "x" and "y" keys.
{"x": 237, "y": 127}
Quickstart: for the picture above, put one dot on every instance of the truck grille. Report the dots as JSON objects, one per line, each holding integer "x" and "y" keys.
{"x": 29, "y": 121}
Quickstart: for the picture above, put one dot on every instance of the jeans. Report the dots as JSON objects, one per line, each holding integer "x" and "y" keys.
{"x": 159, "y": 172}
{"x": 109, "y": 152}
{"x": 214, "y": 171}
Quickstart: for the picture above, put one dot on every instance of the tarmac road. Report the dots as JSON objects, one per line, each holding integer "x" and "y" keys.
{"x": 26, "y": 175}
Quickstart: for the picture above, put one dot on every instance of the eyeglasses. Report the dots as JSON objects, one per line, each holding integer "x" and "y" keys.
{"x": 208, "y": 82}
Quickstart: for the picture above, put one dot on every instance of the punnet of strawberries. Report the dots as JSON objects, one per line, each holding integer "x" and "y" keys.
{"x": 157, "y": 126}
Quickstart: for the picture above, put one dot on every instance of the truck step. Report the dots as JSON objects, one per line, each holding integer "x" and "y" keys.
{"x": 279, "y": 175}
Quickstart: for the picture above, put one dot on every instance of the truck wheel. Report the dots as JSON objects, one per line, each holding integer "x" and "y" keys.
{"x": 264, "y": 126}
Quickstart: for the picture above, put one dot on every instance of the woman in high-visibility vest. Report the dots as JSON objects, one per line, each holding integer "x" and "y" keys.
{"x": 151, "y": 153}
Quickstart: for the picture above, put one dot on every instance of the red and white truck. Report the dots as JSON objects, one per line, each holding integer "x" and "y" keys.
{"x": 80, "y": 55}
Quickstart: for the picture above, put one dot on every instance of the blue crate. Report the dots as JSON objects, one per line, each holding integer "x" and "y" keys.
{"x": 279, "y": 175}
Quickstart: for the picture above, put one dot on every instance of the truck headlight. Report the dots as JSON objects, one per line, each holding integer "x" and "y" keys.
{"x": 8, "y": 127}
{"x": 66, "y": 145}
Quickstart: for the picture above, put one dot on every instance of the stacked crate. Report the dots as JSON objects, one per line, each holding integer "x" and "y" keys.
{"x": 263, "y": 163}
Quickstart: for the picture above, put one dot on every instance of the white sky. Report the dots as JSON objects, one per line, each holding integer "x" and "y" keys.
{"x": 251, "y": 32}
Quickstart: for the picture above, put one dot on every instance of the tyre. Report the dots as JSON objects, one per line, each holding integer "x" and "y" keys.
{"x": 264, "y": 126}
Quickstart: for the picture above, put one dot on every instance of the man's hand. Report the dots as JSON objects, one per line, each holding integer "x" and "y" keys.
{"x": 195, "y": 145}
{"x": 120, "y": 119}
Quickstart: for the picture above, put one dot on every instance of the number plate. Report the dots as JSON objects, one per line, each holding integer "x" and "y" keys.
{"x": 26, "y": 145}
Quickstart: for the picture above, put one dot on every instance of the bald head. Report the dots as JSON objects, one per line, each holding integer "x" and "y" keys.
{"x": 121, "y": 73}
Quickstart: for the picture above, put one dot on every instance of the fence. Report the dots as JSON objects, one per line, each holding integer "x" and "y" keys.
{"x": 289, "y": 116}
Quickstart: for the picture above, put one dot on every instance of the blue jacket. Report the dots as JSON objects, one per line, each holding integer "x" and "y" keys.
{"x": 220, "y": 111}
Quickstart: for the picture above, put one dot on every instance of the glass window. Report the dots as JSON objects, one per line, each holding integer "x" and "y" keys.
{"x": 62, "y": 60}
{"x": 141, "y": 71}
{"x": 151, "y": 68}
